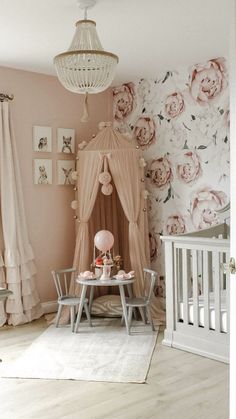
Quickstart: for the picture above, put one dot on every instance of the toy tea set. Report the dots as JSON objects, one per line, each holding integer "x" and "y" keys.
{"x": 104, "y": 241}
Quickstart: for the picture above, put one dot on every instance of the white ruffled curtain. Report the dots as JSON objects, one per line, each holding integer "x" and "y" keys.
{"x": 17, "y": 262}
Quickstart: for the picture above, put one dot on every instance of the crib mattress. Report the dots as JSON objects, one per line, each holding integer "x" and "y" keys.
{"x": 211, "y": 311}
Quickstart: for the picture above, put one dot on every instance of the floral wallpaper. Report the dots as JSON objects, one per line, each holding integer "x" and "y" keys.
{"x": 181, "y": 122}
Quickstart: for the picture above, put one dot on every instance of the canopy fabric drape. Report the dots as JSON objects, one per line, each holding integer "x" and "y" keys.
{"x": 126, "y": 168}
{"x": 87, "y": 190}
{"x": 123, "y": 167}
{"x": 18, "y": 259}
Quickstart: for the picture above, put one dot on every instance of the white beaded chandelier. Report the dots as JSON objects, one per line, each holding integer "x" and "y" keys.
{"x": 86, "y": 67}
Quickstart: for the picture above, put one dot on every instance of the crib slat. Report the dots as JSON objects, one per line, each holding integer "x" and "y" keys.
{"x": 206, "y": 289}
{"x": 178, "y": 294}
{"x": 195, "y": 289}
{"x": 217, "y": 295}
{"x": 228, "y": 295}
{"x": 185, "y": 271}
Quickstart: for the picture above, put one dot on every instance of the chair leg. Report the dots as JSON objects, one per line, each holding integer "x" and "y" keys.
{"x": 58, "y": 314}
{"x": 130, "y": 312}
{"x": 143, "y": 314}
{"x": 72, "y": 318}
{"x": 87, "y": 313}
{"x": 150, "y": 318}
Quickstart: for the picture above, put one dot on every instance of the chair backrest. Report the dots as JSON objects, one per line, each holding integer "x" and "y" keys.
{"x": 62, "y": 280}
{"x": 150, "y": 278}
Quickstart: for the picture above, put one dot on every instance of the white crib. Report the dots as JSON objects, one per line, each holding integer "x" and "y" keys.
{"x": 197, "y": 292}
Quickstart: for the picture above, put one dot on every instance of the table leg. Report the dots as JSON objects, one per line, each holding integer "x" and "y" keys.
{"x": 81, "y": 304}
{"x": 91, "y": 298}
{"x": 122, "y": 297}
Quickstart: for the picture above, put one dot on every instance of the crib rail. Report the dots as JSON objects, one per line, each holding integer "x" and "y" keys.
{"x": 197, "y": 288}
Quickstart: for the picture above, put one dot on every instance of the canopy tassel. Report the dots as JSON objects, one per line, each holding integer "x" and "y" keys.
{"x": 85, "y": 116}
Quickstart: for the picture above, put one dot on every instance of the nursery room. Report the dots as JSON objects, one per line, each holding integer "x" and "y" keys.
{"x": 117, "y": 167}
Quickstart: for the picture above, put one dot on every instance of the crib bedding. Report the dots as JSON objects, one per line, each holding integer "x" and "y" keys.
{"x": 211, "y": 311}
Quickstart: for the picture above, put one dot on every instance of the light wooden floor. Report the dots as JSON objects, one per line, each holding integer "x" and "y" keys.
{"x": 179, "y": 385}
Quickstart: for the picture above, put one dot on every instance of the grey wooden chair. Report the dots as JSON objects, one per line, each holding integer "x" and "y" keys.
{"x": 143, "y": 303}
{"x": 62, "y": 279}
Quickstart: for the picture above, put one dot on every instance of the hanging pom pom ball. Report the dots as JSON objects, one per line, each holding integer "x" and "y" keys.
{"x": 104, "y": 178}
{"x": 103, "y": 240}
{"x": 142, "y": 162}
{"x": 145, "y": 193}
{"x": 82, "y": 145}
{"x": 107, "y": 189}
{"x": 74, "y": 205}
{"x": 74, "y": 175}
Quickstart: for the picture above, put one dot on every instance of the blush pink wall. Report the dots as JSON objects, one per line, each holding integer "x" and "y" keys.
{"x": 41, "y": 100}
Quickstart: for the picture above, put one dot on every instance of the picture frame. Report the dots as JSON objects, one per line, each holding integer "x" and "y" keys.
{"x": 66, "y": 140}
{"x": 64, "y": 172}
{"x": 42, "y": 139}
{"x": 42, "y": 171}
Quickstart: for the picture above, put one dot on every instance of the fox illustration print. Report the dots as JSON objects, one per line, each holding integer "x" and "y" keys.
{"x": 66, "y": 146}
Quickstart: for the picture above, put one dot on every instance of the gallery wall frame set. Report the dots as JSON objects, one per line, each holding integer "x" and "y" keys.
{"x": 42, "y": 140}
{"x": 42, "y": 170}
{"x": 43, "y": 166}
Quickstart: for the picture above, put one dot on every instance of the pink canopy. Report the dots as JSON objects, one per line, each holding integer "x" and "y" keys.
{"x": 124, "y": 212}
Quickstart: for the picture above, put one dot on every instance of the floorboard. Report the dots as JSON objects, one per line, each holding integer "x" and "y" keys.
{"x": 180, "y": 385}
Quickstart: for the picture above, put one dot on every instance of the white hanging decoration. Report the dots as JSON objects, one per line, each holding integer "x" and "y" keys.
{"x": 74, "y": 205}
{"x": 145, "y": 194}
{"x": 107, "y": 189}
{"x": 103, "y": 125}
{"x": 82, "y": 145}
{"x": 142, "y": 162}
{"x": 104, "y": 178}
{"x": 74, "y": 175}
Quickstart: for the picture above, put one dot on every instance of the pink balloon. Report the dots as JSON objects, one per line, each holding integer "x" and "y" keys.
{"x": 104, "y": 240}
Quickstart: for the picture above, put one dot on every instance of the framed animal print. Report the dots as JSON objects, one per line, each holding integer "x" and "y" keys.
{"x": 42, "y": 139}
{"x": 42, "y": 170}
{"x": 66, "y": 140}
{"x": 64, "y": 172}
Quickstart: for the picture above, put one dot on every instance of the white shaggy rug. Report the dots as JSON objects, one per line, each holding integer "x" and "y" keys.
{"x": 102, "y": 353}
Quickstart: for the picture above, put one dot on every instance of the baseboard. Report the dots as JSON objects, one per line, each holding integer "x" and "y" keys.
{"x": 49, "y": 307}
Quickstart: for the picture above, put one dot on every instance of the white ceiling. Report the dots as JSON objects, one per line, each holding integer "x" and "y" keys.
{"x": 149, "y": 36}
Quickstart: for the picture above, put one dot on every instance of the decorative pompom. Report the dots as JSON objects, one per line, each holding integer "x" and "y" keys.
{"x": 107, "y": 189}
{"x": 104, "y": 178}
{"x": 82, "y": 145}
{"x": 74, "y": 205}
{"x": 142, "y": 162}
{"x": 145, "y": 193}
{"x": 103, "y": 125}
{"x": 74, "y": 175}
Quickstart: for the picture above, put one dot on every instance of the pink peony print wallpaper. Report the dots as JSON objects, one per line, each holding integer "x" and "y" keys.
{"x": 181, "y": 122}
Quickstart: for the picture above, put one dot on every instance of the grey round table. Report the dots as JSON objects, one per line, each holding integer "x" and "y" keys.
{"x": 121, "y": 283}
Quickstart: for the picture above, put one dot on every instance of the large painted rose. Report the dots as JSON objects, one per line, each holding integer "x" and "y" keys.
{"x": 204, "y": 205}
{"x": 123, "y": 101}
{"x": 145, "y": 131}
{"x": 189, "y": 169}
{"x": 175, "y": 225}
{"x": 160, "y": 172}
{"x": 174, "y": 105}
{"x": 208, "y": 80}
